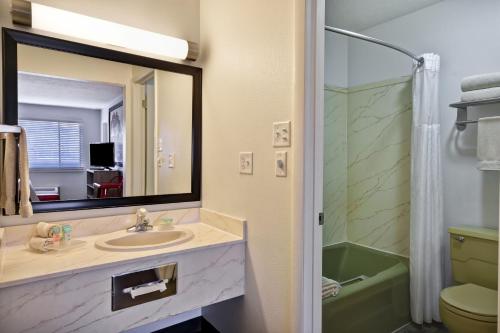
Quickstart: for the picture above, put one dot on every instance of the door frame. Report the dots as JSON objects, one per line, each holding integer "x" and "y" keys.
{"x": 138, "y": 116}
{"x": 151, "y": 100}
{"x": 312, "y": 200}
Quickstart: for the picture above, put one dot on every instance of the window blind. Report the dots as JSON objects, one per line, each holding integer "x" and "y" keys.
{"x": 53, "y": 144}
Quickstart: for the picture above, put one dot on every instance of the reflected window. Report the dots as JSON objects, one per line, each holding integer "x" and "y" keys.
{"x": 53, "y": 144}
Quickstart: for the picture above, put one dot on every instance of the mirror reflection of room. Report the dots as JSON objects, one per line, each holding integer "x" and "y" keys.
{"x": 66, "y": 123}
{"x": 99, "y": 129}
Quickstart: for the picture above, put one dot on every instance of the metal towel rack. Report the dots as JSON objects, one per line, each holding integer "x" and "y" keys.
{"x": 461, "y": 107}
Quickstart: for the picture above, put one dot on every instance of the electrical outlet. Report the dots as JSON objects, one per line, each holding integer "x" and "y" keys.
{"x": 281, "y": 163}
{"x": 246, "y": 163}
{"x": 281, "y": 134}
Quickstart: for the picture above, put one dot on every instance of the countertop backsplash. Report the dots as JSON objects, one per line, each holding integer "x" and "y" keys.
{"x": 20, "y": 234}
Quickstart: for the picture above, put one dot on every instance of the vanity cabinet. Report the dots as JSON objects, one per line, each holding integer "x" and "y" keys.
{"x": 72, "y": 290}
{"x": 82, "y": 302}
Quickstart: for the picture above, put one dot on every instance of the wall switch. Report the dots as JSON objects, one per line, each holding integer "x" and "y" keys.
{"x": 160, "y": 145}
{"x": 246, "y": 163}
{"x": 281, "y": 134}
{"x": 160, "y": 161}
{"x": 171, "y": 160}
{"x": 281, "y": 163}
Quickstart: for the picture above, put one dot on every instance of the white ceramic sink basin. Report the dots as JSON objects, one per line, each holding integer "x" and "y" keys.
{"x": 139, "y": 241}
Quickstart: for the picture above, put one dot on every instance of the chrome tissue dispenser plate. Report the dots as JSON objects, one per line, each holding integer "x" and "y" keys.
{"x": 134, "y": 288}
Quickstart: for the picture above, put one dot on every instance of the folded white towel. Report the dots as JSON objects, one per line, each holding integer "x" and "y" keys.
{"x": 44, "y": 229}
{"x": 326, "y": 281}
{"x": 488, "y": 143}
{"x": 481, "y": 81}
{"x": 330, "y": 287}
{"x": 40, "y": 244}
{"x": 331, "y": 291}
{"x": 478, "y": 95}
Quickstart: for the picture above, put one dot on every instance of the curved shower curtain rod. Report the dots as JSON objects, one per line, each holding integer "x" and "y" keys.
{"x": 420, "y": 60}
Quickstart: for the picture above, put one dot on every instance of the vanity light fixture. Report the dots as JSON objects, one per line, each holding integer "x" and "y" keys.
{"x": 76, "y": 25}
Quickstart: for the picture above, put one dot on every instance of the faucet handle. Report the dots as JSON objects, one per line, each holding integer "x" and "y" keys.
{"x": 142, "y": 212}
{"x": 147, "y": 224}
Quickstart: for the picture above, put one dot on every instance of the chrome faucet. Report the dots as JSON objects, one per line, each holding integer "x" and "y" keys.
{"x": 142, "y": 222}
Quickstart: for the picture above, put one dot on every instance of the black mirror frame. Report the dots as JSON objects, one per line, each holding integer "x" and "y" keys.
{"x": 12, "y": 37}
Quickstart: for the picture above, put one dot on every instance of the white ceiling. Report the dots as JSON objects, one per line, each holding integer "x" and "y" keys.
{"x": 48, "y": 90}
{"x": 358, "y": 15}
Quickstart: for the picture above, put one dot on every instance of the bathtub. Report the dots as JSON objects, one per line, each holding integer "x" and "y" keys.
{"x": 375, "y": 290}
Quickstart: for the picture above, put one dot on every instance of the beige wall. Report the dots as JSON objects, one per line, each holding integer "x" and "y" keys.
{"x": 252, "y": 72}
{"x": 173, "y": 110}
{"x": 44, "y": 61}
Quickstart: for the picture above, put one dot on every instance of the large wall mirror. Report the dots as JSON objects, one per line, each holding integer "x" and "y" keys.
{"x": 104, "y": 128}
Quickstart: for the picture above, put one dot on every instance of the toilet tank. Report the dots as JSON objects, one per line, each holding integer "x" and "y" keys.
{"x": 474, "y": 255}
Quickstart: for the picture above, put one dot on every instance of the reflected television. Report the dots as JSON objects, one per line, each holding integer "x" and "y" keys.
{"x": 102, "y": 155}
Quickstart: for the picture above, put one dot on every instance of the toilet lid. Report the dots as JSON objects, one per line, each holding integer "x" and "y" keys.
{"x": 472, "y": 298}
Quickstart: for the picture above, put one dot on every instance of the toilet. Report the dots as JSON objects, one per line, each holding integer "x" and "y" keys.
{"x": 471, "y": 305}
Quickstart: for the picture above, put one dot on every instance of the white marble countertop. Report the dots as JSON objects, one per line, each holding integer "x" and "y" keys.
{"x": 21, "y": 265}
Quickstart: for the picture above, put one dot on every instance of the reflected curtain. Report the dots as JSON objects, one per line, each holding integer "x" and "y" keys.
{"x": 426, "y": 218}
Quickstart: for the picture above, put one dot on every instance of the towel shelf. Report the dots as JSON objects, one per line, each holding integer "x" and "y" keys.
{"x": 9, "y": 129}
{"x": 461, "y": 107}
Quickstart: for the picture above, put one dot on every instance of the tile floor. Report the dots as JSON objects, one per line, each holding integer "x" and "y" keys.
{"x": 413, "y": 328}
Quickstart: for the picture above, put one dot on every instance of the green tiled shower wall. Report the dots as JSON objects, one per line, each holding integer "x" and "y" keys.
{"x": 335, "y": 168}
{"x": 367, "y": 165}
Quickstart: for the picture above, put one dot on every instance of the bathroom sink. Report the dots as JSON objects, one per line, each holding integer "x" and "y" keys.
{"x": 139, "y": 241}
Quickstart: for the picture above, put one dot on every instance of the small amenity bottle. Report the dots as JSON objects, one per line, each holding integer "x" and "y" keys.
{"x": 66, "y": 234}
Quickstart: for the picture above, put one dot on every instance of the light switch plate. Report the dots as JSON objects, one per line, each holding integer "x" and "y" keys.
{"x": 281, "y": 134}
{"x": 171, "y": 160}
{"x": 281, "y": 163}
{"x": 246, "y": 163}
{"x": 160, "y": 145}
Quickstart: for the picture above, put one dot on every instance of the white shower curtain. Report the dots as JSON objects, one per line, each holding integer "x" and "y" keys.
{"x": 426, "y": 218}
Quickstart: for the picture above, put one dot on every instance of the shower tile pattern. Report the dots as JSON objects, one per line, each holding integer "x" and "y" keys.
{"x": 379, "y": 140}
{"x": 367, "y": 165}
{"x": 335, "y": 172}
